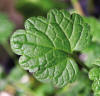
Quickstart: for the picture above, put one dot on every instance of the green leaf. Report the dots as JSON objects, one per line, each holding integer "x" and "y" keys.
{"x": 6, "y": 27}
{"x": 46, "y": 45}
{"x": 30, "y": 8}
{"x": 14, "y": 75}
{"x": 77, "y": 32}
{"x": 95, "y": 27}
{"x": 94, "y": 75}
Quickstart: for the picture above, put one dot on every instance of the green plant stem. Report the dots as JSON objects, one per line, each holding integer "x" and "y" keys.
{"x": 90, "y": 6}
{"x": 79, "y": 62}
{"x": 75, "y": 56}
{"x": 77, "y": 7}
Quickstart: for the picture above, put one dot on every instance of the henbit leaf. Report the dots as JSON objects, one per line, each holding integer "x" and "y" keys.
{"x": 97, "y": 62}
{"x": 6, "y": 27}
{"x": 94, "y": 75}
{"x": 56, "y": 71}
{"x": 77, "y": 32}
{"x": 45, "y": 45}
{"x": 48, "y": 64}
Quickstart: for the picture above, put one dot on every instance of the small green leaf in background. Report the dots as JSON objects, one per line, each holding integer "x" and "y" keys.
{"x": 93, "y": 51}
{"x": 95, "y": 27}
{"x": 2, "y": 79}
{"x": 42, "y": 90}
{"x": 91, "y": 54}
{"x": 46, "y": 46}
{"x": 16, "y": 74}
{"x": 94, "y": 75}
{"x": 6, "y": 28}
{"x": 31, "y": 8}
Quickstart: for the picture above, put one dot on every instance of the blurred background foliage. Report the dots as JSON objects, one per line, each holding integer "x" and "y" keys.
{"x": 14, "y": 81}
{"x": 37, "y": 7}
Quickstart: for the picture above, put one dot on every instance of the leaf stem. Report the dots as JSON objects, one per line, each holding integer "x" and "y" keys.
{"x": 77, "y": 7}
{"x": 78, "y": 61}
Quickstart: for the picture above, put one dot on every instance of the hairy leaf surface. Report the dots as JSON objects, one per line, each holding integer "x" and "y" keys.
{"x": 46, "y": 45}
{"x": 94, "y": 75}
{"x": 77, "y": 32}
